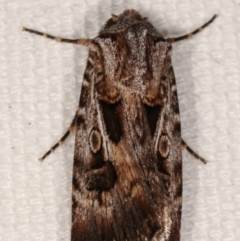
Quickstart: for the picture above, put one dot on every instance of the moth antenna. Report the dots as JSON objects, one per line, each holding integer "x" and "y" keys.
{"x": 85, "y": 42}
{"x": 189, "y": 35}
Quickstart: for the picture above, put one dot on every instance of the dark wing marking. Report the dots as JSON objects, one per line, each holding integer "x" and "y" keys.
{"x": 111, "y": 120}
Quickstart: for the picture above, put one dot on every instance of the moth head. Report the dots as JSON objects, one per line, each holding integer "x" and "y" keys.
{"x": 118, "y": 23}
{"x": 133, "y": 14}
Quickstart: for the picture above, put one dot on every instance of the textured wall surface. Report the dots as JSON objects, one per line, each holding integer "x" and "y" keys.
{"x": 40, "y": 82}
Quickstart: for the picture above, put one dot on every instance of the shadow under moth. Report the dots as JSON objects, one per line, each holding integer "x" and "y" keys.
{"x": 127, "y": 172}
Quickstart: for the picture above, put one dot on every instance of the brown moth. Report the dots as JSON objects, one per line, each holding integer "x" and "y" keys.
{"x": 127, "y": 173}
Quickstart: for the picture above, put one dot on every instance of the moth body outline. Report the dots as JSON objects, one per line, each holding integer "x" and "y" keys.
{"x": 127, "y": 174}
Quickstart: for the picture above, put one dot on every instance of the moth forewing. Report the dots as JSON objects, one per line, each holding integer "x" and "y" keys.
{"x": 127, "y": 173}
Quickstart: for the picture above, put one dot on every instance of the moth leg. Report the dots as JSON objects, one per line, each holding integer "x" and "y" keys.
{"x": 64, "y": 137}
{"x": 187, "y": 36}
{"x": 194, "y": 154}
{"x": 81, "y": 41}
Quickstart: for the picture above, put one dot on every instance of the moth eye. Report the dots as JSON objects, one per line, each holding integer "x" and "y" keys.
{"x": 95, "y": 140}
{"x": 163, "y": 146}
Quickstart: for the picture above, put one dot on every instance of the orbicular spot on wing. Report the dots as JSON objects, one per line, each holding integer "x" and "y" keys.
{"x": 111, "y": 120}
{"x": 164, "y": 165}
{"x": 164, "y": 146}
{"x": 153, "y": 113}
{"x": 95, "y": 140}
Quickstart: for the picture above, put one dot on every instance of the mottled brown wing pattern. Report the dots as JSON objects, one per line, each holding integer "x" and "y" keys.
{"x": 170, "y": 154}
{"x": 127, "y": 174}
{"x": 123, "y": 181}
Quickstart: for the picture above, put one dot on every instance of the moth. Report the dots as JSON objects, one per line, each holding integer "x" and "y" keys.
{"x": 127, "y": 172}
